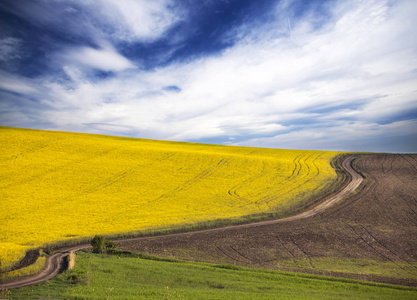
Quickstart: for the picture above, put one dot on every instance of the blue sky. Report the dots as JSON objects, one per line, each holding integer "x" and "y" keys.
{"x": 296, "y": 74}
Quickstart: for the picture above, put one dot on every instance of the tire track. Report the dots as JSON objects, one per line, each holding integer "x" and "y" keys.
{"x": 302, "y": 251}
{"x": 385, "y": 210}
{"x": 399, "y": 182}
{"x": 224, "y": 252}
{"x": 404, "y": 182}
{"x": 297, "y": 165}
{"x": 240, "y": 254}
{"x": 234, "y": 189}
{"x": 394, "y": 255}
{"x": 34, "y": 149}
{"x": 55, "y": 169}
{"x": 295, "y": 250}
{"x": 271, "y": 198}
{"x": 187, "y": 184}
{"x": 411, "y": 164}
{"x": 381, "y": 251}
{"x": 283, "y": 245}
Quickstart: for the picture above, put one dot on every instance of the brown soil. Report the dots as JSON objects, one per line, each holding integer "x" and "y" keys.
{"x": 30, "y": 258}
{"x": 377, "y": 225}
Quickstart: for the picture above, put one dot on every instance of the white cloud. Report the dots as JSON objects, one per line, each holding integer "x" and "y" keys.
{"x": 17, "y": 84}
{"x": 101, "y": 20}
{"x": 10, "y": 48}
{"x": 102, "y": 59}
{"x": 139, "y": 19}
{"x": 356, "y": 136}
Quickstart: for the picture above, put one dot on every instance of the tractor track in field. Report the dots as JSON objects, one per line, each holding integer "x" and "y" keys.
{"x": 56, "y": 262}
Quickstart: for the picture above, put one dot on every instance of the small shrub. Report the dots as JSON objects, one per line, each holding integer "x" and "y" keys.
{"x": 101, "y": 245}
{"x": 98, "y": 243}
{"x": 110, "y": 245}
{"x": 79, "y": 278}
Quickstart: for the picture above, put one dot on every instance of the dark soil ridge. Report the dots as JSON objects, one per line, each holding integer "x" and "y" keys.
{"x": 29, "y": 259}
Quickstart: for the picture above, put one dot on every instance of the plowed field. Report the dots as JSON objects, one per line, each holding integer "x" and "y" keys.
{"x": 372, "y": 235}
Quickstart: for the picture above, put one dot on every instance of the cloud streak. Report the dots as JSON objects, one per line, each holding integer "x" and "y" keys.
{"x": 101, "y": 59}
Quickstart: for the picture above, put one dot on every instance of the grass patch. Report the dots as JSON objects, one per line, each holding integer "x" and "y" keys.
{"x": 368, "y": 267}
{"x": 365, "y": 267}
{"x": 126, "y": 276}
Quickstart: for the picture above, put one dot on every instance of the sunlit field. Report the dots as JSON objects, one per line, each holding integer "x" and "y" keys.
{"x": 57, "y": 186}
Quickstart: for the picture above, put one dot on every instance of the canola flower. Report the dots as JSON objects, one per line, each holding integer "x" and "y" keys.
{"x": 57, "y": 186}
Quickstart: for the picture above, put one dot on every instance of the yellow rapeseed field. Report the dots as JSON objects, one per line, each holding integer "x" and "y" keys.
{"x": 57, "y": 186}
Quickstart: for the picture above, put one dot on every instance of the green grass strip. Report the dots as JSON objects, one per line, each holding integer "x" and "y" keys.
{"x": 131, "y": 276}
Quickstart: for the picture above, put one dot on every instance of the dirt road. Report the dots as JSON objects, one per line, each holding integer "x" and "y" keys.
{"x": 54, "y": 265}
{"x": 56, "y": 262}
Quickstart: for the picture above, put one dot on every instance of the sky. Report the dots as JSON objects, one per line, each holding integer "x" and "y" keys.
{"x": 292, "y": 74}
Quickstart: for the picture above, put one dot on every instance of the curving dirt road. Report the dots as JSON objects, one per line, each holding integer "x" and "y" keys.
{"x": 56, "y": 262}
{"x": 53, "y": 266}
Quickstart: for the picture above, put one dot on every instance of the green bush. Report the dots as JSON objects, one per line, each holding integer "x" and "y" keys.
{"x": 101, "y": 245}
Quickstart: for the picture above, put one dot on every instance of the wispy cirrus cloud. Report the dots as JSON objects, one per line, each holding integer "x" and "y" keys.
{"x": 132, "y": 20}
{"x": 104, "y": 59}
{"x": 354, "y": 136}
{"x": 17, "y": 84}
{"x": 9, "y": 48}
{"x": 128, "y": 20}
